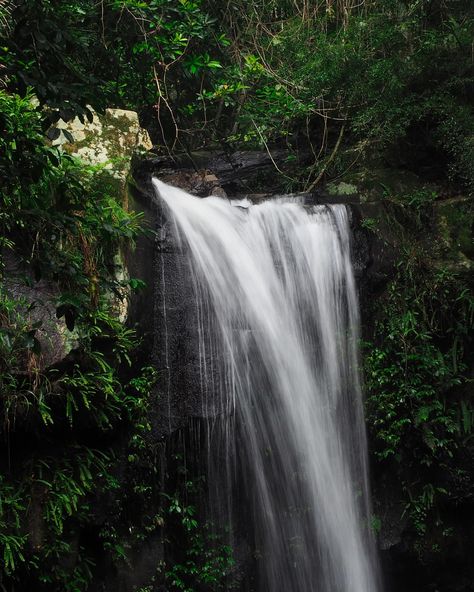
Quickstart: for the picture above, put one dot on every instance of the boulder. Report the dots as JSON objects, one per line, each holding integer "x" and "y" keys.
{"x": 110, "y": 140}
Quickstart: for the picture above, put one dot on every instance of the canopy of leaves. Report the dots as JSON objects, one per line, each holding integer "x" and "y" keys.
{"x": 387, "y": 77}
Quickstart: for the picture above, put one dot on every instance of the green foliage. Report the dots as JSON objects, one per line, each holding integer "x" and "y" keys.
{"x": 49, "y": 194}
{"x": 419, "y": 199}
{"x": 12, "y": 507}
{"x": 61, "y": 223}
{"x": 417, "y": 369}
{"x": 154, "y": 54}
{"x": 205, "y": 562}
{"x": 383, "y": 77}
{"x": 370, "y": 224}
{"x": 41, "y": 509}
{"x": 422, "y": 356}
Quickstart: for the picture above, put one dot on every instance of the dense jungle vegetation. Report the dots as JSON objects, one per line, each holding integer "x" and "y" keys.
{"x": 344, "y": 88}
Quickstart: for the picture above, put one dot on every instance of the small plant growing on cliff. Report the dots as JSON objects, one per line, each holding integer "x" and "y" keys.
{"x": 204, "y": 561}
{"x": 207, "y": 562}
{"x": 369, "y": 224}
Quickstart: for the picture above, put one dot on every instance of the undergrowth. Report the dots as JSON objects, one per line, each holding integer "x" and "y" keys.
{"x": 419, "y": 380}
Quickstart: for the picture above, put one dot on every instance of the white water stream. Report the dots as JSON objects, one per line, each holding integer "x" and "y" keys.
{"x": 279, "y": 316}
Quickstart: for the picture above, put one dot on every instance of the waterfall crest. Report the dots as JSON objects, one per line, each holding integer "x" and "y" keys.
{"x": 278, "y": 332}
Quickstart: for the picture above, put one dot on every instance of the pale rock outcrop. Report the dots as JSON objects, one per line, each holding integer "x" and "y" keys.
{"x": 110, "y": 140}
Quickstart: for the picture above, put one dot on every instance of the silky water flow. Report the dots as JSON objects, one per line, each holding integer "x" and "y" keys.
{"x": 278, "y": 332}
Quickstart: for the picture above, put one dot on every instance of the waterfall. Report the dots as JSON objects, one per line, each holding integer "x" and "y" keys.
{"x": 278, "y": 332}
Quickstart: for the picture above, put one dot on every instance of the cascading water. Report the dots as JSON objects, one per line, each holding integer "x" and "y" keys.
{"x": 278, "y": 342}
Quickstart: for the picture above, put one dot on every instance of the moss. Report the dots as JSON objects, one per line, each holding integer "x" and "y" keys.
{"x": 380, "y": 183}
{"x": 342, "y": 189}
{"x": 456, "y": 225}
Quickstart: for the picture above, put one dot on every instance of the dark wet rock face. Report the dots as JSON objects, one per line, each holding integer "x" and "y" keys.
{"x": 203, "y": 173}
{"x": 166, "y": 310}
{"x": 165, "y": 316}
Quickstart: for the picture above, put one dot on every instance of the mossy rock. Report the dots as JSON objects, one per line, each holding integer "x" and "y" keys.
{"x": 109, "y": 140}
